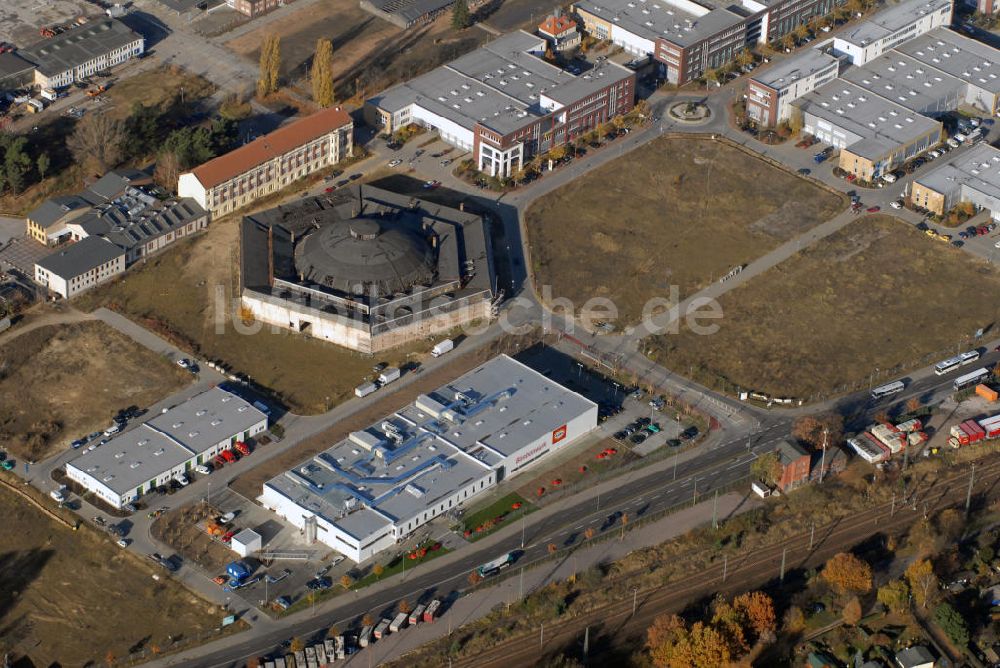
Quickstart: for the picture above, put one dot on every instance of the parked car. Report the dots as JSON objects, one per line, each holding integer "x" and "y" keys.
{"x": 282, "y": 602}
{"x": 805, "y": 171}
{"x": 873, "y": 209}
{"x": 124, "y": 542}
{"x": 395, "y": 162}
{"x": 896, "y": 204}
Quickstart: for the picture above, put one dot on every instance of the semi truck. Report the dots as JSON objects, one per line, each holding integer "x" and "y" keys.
{"x": 432, "y": 609}
{"x": 417, "y": 615}
{"x": 388, "y": 375}
{"x": 399, "y": 623}
{"x": 890, "y": 437}
{"x": 381, "y": 629}
{"x": 495, "y": 566}
{"x": 442, "y": 347}
{"x": 365, "y": 389}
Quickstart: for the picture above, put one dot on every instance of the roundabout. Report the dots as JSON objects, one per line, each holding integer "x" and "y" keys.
{"x": 690, "y": 112}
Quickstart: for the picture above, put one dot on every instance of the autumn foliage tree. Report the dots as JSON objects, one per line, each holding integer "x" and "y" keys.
{"x": 809, "y": 429}
{"x": 404, "y": 607}
{"x": 923, "y": 582}
{"x": 758, "y": 608}
{"x": 321, "y": 74}
{"x": 378, "y": 569}
{"x": 852, "y": 612}
{"x": 895, "y": 596}
{"x": 724, "y": 638}
{"x": 846, "y": 574}
{"x": 270, "y": 65}
{"x": 767, "y": 468}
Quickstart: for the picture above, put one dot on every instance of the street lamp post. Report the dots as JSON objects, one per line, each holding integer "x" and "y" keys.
{"x": 635, "y": 599}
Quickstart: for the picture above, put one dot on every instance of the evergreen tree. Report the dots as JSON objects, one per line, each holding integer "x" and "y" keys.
{"x": 460, "y": 15}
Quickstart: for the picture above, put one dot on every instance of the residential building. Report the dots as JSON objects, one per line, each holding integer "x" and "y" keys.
{"x": 123, "y": 208}
{"x": 505, "y": 103}
{"x": 874, "y": 134}
{"x": 268, "y": 164}
{"x": 383, "y": 483}
{"x": 689, "y": 38}
{"x": 80, "y": 267}
{"x": 169, "y": 444}
{"x": 795, "y": 465}
{"x": 771, "y": 91}
{"x": 891, "y": 27}
{"x": 560, "y": 31}
{"x": 255, "y": 8}
{"x": 917, "y": 656}
{"x": 81, "y": 51}
{"x": 973, "y": 177}
{"x": 366, "y": 268}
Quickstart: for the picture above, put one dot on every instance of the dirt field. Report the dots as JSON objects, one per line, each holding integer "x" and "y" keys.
{"x": 60, "y": 382}
{"x": 877, "y": 294}
{"x": 73, "y": 598}
{"x": 183, "y": 529}
{"x": 178, "y": 294}
{"x": 157, "y": 88}
{"x": 695, "y": 209}
{"x": 368, "y": 52}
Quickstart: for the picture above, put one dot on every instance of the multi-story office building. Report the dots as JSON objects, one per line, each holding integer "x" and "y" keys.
{"x": 505, "y": 103}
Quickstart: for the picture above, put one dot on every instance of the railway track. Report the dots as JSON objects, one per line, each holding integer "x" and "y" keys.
{"x": 741, "y": 574}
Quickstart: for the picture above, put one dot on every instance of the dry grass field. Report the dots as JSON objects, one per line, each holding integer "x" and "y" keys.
{"x": 60, "y": 382}
{"x": 74, "y": 598}
{"x": 676, "y": 212}
{"x": 157, "y": 88}
{"x": 877, "y": 294}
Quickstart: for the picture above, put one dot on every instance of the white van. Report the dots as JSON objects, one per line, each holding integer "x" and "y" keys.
{"x": 889, "y": 177}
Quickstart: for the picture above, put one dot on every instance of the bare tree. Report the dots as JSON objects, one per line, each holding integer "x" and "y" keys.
{"x": 168, "y": 170}
{"x": 96, "y": 142}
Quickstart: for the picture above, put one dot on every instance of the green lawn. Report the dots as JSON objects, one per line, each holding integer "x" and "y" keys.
{"x": 401, "y": 563}
{"x": 502, "y": 507}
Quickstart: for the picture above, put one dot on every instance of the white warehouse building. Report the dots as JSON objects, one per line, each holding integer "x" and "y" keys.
{"x": 171, "y": 443}
{"x": 379, "y": 485}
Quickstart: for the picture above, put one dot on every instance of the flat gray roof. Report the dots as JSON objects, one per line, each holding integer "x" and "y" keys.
{"x": 80, "y": 257}
{"x": 789, "y": 71}
{"x": 432, "y": 448}
{"x": 977, "y": 169}
{"x": 681, "y": 22}
{"x": 899, "y": 78}
{"x": 168, "y": 440}
{"x": 963, "y": 58}
{"x": 127, "y": 221}
{"x": 891, "y": 19}
{"x": 207, "y": 419}
{"x": 880, "y": 124}
{"x": 498, "y": 85}
{"x": 79, "y": 45}
{"x": 132, "y": 459}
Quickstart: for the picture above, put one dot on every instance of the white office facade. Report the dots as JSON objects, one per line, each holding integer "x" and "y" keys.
{"x": 378, "y": 486}
{"x": 172, "y": 443}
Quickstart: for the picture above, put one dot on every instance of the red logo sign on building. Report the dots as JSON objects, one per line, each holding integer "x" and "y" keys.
{"x": 558, "y": 434}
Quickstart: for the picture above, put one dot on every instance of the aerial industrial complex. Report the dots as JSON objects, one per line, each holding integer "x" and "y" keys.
{"x": 973, "y": 178}
{"x": 505, "y": 103}
{"x": 380, "y": 484}
{"x": 142, "y": 459}
{"x": 366, "y": 268}
{"x": 99, "y": 232}
{"x": 877, "y": 92}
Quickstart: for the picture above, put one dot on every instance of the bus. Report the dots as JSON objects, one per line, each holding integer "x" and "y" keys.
{"x": 887, "y": 389}
{"x": 969, "y": 357}
{"x": 977, "y": 376}
{"x": 495, "y": 566}
{"x": 953, "y": 363}
{"x": 949, "y": 364}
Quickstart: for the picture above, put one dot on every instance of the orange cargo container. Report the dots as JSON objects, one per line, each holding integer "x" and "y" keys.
{"x": 986, "y": 393}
